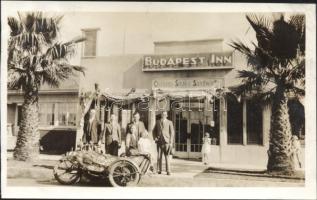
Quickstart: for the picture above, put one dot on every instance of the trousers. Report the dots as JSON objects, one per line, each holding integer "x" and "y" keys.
{"x": 166, "y": 150}
{"x": 113, "y": 148}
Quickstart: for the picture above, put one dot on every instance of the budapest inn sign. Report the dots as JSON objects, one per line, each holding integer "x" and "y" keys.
{"x": 223, "y": 60}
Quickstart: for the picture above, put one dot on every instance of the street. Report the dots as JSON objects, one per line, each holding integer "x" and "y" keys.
{"x": 170, "y": 182}
{"x": 214, "y": 179}
{"x": 186, "y": 173}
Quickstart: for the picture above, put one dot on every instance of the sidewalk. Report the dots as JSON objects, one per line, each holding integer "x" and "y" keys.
{"x": 43, "y": 168}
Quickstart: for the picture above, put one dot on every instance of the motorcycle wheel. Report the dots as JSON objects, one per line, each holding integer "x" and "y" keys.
{"x": 123, "y": 173}
{"x": 66, "y": 173}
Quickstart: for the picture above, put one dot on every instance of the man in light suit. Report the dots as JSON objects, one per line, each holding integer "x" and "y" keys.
{"x": 139, "y": 125}
{"x": 91, "y": 128}
{"x": 163, "y": 135}
{"x": 111, "y": 136}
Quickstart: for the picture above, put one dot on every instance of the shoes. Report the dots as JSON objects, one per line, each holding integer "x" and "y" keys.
{"x": 168, "y": 173}
{"x": 158, "y": 172}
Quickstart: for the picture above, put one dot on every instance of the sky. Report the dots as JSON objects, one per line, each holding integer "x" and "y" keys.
{"x": 134, "y": 33}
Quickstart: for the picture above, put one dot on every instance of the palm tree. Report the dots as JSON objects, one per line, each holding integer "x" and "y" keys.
{"x": 35, "y": 57}
{"x": 277, "y": 63}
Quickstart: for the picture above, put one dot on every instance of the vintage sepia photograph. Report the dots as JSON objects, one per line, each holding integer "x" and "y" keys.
{"x": 158, "y": 96}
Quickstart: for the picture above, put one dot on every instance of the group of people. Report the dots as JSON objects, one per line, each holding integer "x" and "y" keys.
{"x": 137, "y": 138}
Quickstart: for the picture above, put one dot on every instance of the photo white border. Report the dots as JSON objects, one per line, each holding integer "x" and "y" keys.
{"x": 309, "y": 191}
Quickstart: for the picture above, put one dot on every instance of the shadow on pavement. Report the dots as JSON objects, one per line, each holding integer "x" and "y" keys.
{"x": 45, "y": 166}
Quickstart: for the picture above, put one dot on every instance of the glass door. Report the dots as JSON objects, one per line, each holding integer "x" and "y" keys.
{"x": 180, "y": 120}
{"x": 196, "y": 121}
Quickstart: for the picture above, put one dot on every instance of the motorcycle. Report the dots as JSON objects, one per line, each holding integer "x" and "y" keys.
{"x": 88, "y": 161}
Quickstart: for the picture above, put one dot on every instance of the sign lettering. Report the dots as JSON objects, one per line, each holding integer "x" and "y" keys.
{"x": 186, "y": 83}
{"x": 188, "y": 61}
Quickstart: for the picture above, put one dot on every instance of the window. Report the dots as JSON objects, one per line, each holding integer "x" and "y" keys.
{"x": 234, "y": 121}
{"x": 90, "y": 43}
{"x": 58, "y": 114}
{"x": 67, "y": 114}
{"x": 46, "y": 114}
{"x": 254, "y": 123}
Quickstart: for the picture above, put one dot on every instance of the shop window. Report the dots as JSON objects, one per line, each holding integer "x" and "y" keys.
{"x": 90, "y": 43}
{"x": 297, "y": 118}
{"x": 254, "y": 122}
{"x": 46, "y": 114}
{"x": 234, "y": 121}
{"x": 67, "y": 114}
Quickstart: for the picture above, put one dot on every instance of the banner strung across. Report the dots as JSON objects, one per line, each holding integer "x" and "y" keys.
{"x": 223, "y": 60}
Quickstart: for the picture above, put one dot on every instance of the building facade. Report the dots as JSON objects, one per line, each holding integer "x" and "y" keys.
{"x": 188, "y": 78}
{"x": 184, "y": 78}
{"x": 58, "y": 109}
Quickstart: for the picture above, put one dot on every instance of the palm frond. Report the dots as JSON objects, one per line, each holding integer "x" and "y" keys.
{"x": 34, "y": 56}
{"x": 298, "y": 21}
{"x": 296, "y": 73}
{"x": 15, "y": 26}
{"x": 16, "y": 79}
{"x": 63, "y": 50}
{"x": 264, "y": 97}
{"x": 258, "y": 59}
{"x": 285, "y": 40}
{"x": 262, "y": 27}
{"x": 299, "y": 91}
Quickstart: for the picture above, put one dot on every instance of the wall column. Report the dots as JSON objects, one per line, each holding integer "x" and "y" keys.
{"x": 15, "y": 125}
{"x": 133, "y": 109}
{"x": 223, "y": 137}
{"x": 56, "y": 122}
{"x": 151, "y": 116}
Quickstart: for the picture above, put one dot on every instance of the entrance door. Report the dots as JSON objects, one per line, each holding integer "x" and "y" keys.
{"x": 180, "y": 120}
{"x": 190, "y": 126}
{"x": 196, "y": 122}
{"x": 189, "y": 129}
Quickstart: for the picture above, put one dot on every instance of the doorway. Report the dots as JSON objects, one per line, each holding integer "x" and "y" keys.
{"x": 190, "y": 126}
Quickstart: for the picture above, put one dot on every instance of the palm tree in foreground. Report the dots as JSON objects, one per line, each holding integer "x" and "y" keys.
{"x": 277, "y": 63}
{"x": 35, "y": 57}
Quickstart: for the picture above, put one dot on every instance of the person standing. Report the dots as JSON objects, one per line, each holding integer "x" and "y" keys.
{"x": 139, "y": 126}
{"x": 163, "y": 135}
{"x": 206, "y": 149}
{"x": 296, "y": 152}
{"x": 111, "y": 136}
{"x": 91, "y": 129}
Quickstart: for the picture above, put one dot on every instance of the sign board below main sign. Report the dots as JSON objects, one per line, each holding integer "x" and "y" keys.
{"x": 191, "y": 83}
{"x": 188, "y": 61}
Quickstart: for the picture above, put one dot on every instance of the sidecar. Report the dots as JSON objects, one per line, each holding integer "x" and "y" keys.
{"x": 120, "y": 171}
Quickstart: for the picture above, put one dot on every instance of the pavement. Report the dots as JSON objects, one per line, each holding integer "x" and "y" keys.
{"x": 185, "y": 170}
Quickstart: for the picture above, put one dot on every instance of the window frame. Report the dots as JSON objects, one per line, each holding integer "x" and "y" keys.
{"x": 96, "y": 30}
{"x": 242, "y": 120}
{"x": 246, "y": 124}
{"x": 56, "y": 113}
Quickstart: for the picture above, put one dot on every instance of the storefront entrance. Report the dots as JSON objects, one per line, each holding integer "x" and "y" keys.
{"x": 190, "y": 126}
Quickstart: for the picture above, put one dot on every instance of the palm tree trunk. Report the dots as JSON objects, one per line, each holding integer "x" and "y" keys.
{"x": 27, "y": 145}
{"x": 280, "y": 151}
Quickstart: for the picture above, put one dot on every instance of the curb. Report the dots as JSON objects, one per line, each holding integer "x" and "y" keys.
{"x": 256, "y": 173}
